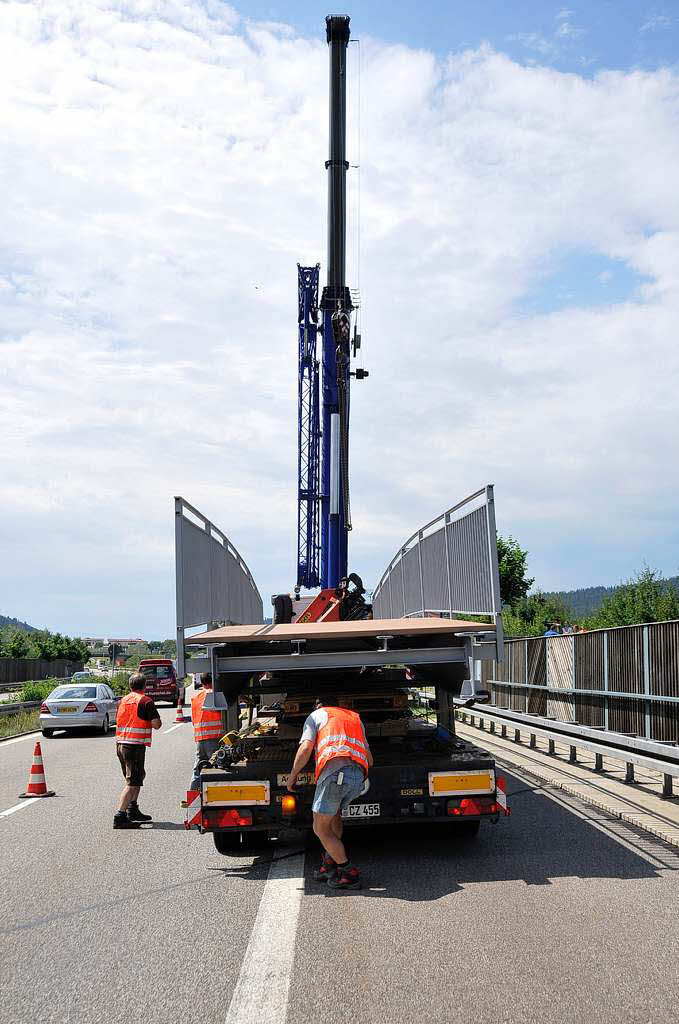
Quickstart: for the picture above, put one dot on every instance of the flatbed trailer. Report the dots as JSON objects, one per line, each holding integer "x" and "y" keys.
{"x": 266, "y": 680}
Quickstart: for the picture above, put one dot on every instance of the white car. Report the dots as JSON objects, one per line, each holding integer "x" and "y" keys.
{"x": 90, "y": 705}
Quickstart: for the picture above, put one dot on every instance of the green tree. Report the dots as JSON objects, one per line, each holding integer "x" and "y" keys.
{"x": 514, "y": 584}
{"x": 16, "y": 645}
{"x": 533, "y": 615}
{"x": 648, "y": 597}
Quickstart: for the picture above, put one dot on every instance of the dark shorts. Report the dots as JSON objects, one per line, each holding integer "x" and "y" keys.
{"x": 131, "y": 757}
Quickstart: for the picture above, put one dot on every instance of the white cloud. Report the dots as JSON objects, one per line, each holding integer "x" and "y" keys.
{"x": 163, "y": 173}
{"x": 656, "y": 21}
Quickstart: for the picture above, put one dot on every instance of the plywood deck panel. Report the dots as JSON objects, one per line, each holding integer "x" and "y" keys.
{"x": 346, "y": 630}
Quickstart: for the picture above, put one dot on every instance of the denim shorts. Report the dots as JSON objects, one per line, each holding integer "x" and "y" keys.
{"x": 331, "y": 797}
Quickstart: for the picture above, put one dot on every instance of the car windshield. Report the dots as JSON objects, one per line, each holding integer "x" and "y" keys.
{"x": 73, "y": 693}
{"x": 157, "y": 671}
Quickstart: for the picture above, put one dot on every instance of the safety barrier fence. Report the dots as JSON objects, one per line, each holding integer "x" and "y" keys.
{"x": 630, "y": 751}
{"x": 448, "y": 567}
{"x": 624, "y": 679}
{"x": 213, "y": 583}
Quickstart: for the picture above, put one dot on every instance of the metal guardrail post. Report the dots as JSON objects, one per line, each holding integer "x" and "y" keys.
{"x": 598, "y": 762}
{"x": 647, "y": 684}
{"x": 606, "y": 686}
{"x": 667, "y": 786}
{"x": 517, "y": 735}
{"x": 629, "y": 772}
{"x": 572, "y": 754}
{"x": 550, "y": 746}
{"x": 532, "y": 742}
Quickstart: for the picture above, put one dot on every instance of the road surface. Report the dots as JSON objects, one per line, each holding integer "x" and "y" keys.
{"x": 556, "y": 914}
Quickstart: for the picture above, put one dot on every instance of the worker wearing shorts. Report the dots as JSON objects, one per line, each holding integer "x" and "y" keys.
{"x": 136, "y": 719}
{"x": 342, "y": 761}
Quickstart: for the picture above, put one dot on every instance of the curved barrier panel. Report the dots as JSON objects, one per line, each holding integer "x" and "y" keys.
{"x": 449, "y": 567}
{"x": 214, "y": 585}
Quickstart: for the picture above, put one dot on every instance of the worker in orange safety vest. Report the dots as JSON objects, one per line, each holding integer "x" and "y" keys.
{"x": 136, "y": 718}
{"x": 207, "y": 727}
{"x": 343, "y": 760}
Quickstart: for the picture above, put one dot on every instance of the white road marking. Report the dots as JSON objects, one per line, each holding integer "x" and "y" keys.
{"x": 17, "y": 807}
{"x": 18, "y": 739}
{"x": 172, "y": 728}
{"x": 261, "y": 992}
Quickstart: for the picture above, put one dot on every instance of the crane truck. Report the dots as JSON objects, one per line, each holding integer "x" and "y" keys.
{"x": 336, "y": 646}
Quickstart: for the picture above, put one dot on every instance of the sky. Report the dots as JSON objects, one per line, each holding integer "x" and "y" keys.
{"x": 162, "y": 173}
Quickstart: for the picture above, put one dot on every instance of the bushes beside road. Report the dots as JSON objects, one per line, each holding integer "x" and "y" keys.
{"x": 15, "y": 725}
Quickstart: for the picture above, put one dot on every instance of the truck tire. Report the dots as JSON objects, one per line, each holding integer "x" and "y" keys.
{"x": 227, "y": 843}
{"x": 48, "y": 732}
{"x": 465, "y": 829}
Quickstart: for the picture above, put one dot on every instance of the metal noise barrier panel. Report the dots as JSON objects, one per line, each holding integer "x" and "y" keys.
{"x": 449, "y": 567}
{"x": 214, "y": 585}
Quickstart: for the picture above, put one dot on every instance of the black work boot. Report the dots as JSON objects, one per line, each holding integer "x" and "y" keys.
{"x": 327, "y": 870}
{"x": 347, "y": 877}
{"x": 134, "y": 814}
{"x": 121, "y": 820}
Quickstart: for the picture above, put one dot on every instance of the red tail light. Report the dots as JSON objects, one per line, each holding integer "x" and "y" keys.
{"x": 90, "y": 707}
{"x": 44, "y": 710}
{"x": 233, "y": 817}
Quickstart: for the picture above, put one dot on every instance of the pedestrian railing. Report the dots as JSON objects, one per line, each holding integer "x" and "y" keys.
{"x": 623, "y": 679}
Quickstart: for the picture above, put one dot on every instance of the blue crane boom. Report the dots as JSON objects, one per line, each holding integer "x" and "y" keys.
{"x": 323, "y": 460}
{"x": 308, "y": 436}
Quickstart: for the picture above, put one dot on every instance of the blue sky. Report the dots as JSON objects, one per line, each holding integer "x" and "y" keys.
{"x": 583, "y": 38}
{"x": 162, "y": 167}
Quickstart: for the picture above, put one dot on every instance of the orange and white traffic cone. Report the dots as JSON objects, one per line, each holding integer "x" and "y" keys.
{"x": 181, "y": 717}
{"x": 36, "y": 780}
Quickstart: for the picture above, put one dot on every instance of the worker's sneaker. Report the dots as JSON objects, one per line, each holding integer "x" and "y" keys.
{"x": 327, "y": 870}
{"x": 121, "y": 820}
{"x": 346, "y": 877}
{"x": 134, "y": 814}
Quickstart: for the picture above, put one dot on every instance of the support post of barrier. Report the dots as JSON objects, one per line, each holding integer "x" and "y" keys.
{"x": 550, "y": 746}
{"x": 503, "y": 731}
{"x": 492, "y": 725}
{"x": 598, "y": 762}
{"x": 517, "y": 735}
{"x": 629, "y": 771}
{"x": 532, "y": 741}
{"x": 572, "y": 754}
{"x": 667, "y": 786}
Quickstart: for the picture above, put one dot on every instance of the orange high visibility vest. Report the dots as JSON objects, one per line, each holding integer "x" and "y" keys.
{"x": 207, "y": 725}
{"x": 130, "y": 728}
{"x": 341, "y": 736}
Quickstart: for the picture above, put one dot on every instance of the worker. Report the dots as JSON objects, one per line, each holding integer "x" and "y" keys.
{"x": 207, "y": 727}
{"x": 343, "y": 760}
{"x": 136, "y": 719}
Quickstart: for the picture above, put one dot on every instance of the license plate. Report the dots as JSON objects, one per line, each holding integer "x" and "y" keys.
{"x": 306, "y": 778}
{"x": 361, "y": 811}
{"x": 65, "y": 711}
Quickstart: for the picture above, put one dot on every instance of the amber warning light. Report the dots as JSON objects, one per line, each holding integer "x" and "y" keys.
{"x": 289, "y": 804}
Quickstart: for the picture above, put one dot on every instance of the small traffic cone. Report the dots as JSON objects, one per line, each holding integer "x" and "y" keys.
{"x": 36, "y": 780}
{"x": 181, "y": 717}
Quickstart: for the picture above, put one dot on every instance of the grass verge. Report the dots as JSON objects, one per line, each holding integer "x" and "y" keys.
{"x": 15, "y": 725}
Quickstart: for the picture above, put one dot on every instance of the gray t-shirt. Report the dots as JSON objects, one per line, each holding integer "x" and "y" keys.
{"x": 316, "y": 720}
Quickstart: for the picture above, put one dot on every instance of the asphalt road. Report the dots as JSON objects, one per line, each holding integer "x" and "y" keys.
{"x": 556, "y": 914}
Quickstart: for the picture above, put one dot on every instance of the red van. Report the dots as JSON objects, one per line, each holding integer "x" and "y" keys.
{"x": 161, "y": 680}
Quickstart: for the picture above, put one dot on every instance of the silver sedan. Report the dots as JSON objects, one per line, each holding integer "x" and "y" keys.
{"x": 90, "y": 705}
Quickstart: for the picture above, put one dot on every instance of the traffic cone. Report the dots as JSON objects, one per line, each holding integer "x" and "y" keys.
{"x": 36, "y": 780}
{"x": 181, "y": 717}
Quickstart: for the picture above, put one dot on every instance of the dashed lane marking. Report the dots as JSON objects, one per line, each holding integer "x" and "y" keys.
{"x": 18, "y": 807}
{"x": 261, "y": 992}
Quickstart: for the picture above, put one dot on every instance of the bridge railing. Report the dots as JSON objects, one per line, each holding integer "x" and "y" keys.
{"x": 448, "y": 567}
{"x": 623, "y": 679}
{"x": 213, "y": 584}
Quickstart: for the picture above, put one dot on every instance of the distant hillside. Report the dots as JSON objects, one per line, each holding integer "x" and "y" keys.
{"x": 586, "y": 601}
{"x": 7, "y": 620}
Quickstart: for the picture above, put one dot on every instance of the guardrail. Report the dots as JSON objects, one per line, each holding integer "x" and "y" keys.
{"x": 13, "y": 709}
{"x": 630, "y": 750}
